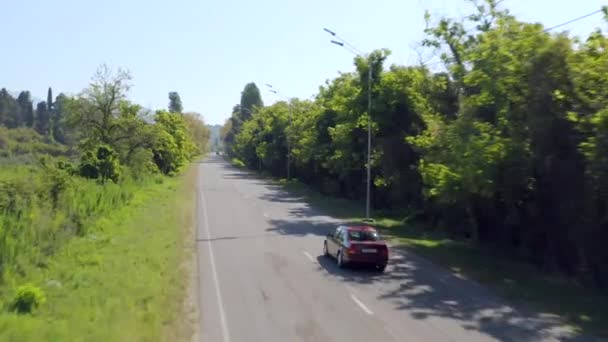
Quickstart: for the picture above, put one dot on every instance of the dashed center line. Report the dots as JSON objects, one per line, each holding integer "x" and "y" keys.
{"x": 361, "y": 305}
{"x": 308, "y": 256}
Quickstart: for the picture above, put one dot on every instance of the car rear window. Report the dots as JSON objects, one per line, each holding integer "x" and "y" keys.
{"x": 363, "y": 235}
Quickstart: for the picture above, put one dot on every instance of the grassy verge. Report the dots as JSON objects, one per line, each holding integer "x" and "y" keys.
{"x": 122, "y": 281}
{"x": 585, "y": 310}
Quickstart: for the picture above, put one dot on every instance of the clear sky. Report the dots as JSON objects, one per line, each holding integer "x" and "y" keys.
{"x": 207, "y": 50}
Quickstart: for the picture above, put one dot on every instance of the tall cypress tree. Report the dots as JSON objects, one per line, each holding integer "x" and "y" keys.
{"x": 49, "y": 100}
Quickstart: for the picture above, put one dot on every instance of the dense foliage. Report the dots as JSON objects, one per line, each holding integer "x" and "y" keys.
{"x": 76, "y": 158}
{"x": 508, "y": 146}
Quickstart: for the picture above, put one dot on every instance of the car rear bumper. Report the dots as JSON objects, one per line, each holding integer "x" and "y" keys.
{"x": 366, "y": 259}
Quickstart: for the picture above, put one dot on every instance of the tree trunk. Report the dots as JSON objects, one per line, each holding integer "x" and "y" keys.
{"x": 474, "y": 226}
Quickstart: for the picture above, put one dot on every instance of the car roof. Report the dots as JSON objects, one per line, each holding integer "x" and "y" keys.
{"x": 361, "y": 228}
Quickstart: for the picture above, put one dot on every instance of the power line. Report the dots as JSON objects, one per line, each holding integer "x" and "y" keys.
{"x": 573, "y": 20}
{"x": 343, "y": 43}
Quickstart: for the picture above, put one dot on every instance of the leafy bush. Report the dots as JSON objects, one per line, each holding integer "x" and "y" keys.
{"x": 27, "y": 298}
{"x": 100, "y": 163}
{"x": 141, "y": 164}
{"x": 56, "y": 179}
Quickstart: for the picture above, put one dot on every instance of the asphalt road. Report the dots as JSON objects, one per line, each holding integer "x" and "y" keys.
{"x": 262, "y": 277}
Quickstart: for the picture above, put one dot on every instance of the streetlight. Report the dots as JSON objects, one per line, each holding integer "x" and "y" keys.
{"x": 273, "y": 90}
{"x": 352, "y": 49}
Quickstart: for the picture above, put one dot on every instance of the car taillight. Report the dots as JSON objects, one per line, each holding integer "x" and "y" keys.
{"x": 352, "y": 249}
{"x": 384, "y": 250}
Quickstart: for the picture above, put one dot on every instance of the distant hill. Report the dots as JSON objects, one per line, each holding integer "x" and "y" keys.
{"x": 214, "y": 140}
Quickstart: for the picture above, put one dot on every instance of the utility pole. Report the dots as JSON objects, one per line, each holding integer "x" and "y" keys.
{"x": 352, "y": 49}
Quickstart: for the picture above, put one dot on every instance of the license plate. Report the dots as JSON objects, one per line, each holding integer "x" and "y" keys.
{"x": 368, "y": 250}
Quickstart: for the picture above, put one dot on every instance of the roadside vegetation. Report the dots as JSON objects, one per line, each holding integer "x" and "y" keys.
{"x": 94, "y": 212}
{"x": 500, "y": 148}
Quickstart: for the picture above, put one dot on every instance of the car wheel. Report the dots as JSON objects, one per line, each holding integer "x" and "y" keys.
{"x": 325, "y": 251}
{"x": 381, "y": 268}
{"x": 340, "y": 260}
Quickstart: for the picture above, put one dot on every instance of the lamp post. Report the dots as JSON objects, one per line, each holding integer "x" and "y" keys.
{"x": 273, "y": 90}
{"x": 352, "y": 49}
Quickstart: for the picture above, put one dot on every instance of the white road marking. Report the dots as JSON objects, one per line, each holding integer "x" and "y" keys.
{"x": 361, "y": 305}
{"x": 309, "y": 256}
{"x": 214, "y": 271}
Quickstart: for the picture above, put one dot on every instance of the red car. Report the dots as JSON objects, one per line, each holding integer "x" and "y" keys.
{"x": 357, "y": 245}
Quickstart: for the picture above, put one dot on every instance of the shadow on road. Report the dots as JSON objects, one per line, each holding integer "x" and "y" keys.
{"x": 243, "y": 237}
{"x": 302, "y": 227}
{"x": 427, "y": 291}
{"x": 238, "y": 175}
{"x": 279, "y": 195}
{"x": 359, "y": 274}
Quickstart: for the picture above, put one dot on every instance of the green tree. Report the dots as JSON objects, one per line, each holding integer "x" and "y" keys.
{"x": 97, "y": 111}
{"x": 173, "y": 147}
{"x": 26, "y": 108}
{"x": 263, "y": 139}
{"x": 399, "y": 107}
{"x": 61, "y": 132}
{"x": 175, "y": 102}
{"x": 250, "y": 102}
{"x": 231, "y": 128}
{"x": 199, "y": 132}
{"x": 132, "y": 134}
{"x": 507, "y": 166}
{"x": 102, "y": 115}
{"x": 250, "y": 99}
{"x": 9, "y": 110}
{"x": 42, "y": 122}
{"x": 589, "y": 65}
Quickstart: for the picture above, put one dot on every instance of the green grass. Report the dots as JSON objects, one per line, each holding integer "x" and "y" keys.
{"x": 585, "y": 310}
{"x": 34, "y": 223}
{"x": 122, "y": 281}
